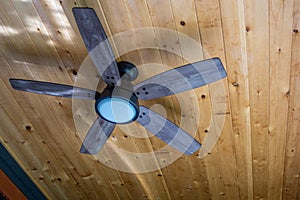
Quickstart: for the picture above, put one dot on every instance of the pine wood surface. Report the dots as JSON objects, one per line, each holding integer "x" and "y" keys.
{"x": 248, "y": 123}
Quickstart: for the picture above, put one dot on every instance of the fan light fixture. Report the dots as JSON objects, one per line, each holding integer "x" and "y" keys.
{"x": 116, "y": 110}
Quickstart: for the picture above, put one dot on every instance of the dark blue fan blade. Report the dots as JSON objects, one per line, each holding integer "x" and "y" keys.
{"x": 181, "y": 79}
{"x": 167, "y": 131}
{"x": 97, "y": 136}
{"x": 53, "y": 89}
{"x": 97, "y": 44}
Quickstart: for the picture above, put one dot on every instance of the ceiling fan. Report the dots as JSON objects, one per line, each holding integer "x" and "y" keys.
{"x": 118, "y": 102}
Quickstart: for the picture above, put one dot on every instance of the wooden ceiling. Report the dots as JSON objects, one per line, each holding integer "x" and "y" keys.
{"x": 257, "y": 155}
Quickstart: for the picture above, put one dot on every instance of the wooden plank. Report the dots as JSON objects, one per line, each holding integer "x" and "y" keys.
{"x": 257, "y": 28}
{"x": 281, "y": 21}
{"x": 216, "y": 187}
{"x": 236, "y": 59}
{"x": 186, "y": 23}
{"x": 223, "y": 179}
{"x": 291, "y": 168}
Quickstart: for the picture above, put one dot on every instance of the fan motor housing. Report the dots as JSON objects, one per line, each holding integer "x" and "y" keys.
{"x": 127, "y": 70}
{"x": 118, "y": 104}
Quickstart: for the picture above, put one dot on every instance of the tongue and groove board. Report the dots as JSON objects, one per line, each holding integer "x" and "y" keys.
{"x": 291, "y": 172}
{"x": 257, "y": 153}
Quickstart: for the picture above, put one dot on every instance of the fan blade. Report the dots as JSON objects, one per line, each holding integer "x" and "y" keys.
{"x": 53, "y": 89}
{"x": 97, "y": 136}
{"x": 93, "y": 35}
{"x": 167, "y": 131}
{"x": 181, "y": 79}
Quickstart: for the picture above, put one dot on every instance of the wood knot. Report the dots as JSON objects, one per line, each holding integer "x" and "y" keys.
{"x": 28, "y": 128}
{"x": 188, "y": 188}
{"x": 182, "y": 23}
{"x": 287, "y": 93}
{"x": 292, "y": 150}
{"x": 235, "y": 84}
{"x": 68, "y": 52}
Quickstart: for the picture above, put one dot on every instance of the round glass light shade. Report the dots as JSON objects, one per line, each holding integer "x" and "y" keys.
{"x": 117, "y": 110}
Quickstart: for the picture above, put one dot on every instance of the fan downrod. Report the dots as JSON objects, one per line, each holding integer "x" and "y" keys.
{"x": 127, "y": 70}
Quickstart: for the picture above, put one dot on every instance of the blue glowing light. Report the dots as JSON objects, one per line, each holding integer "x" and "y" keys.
{"x": 116, "y": 110}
